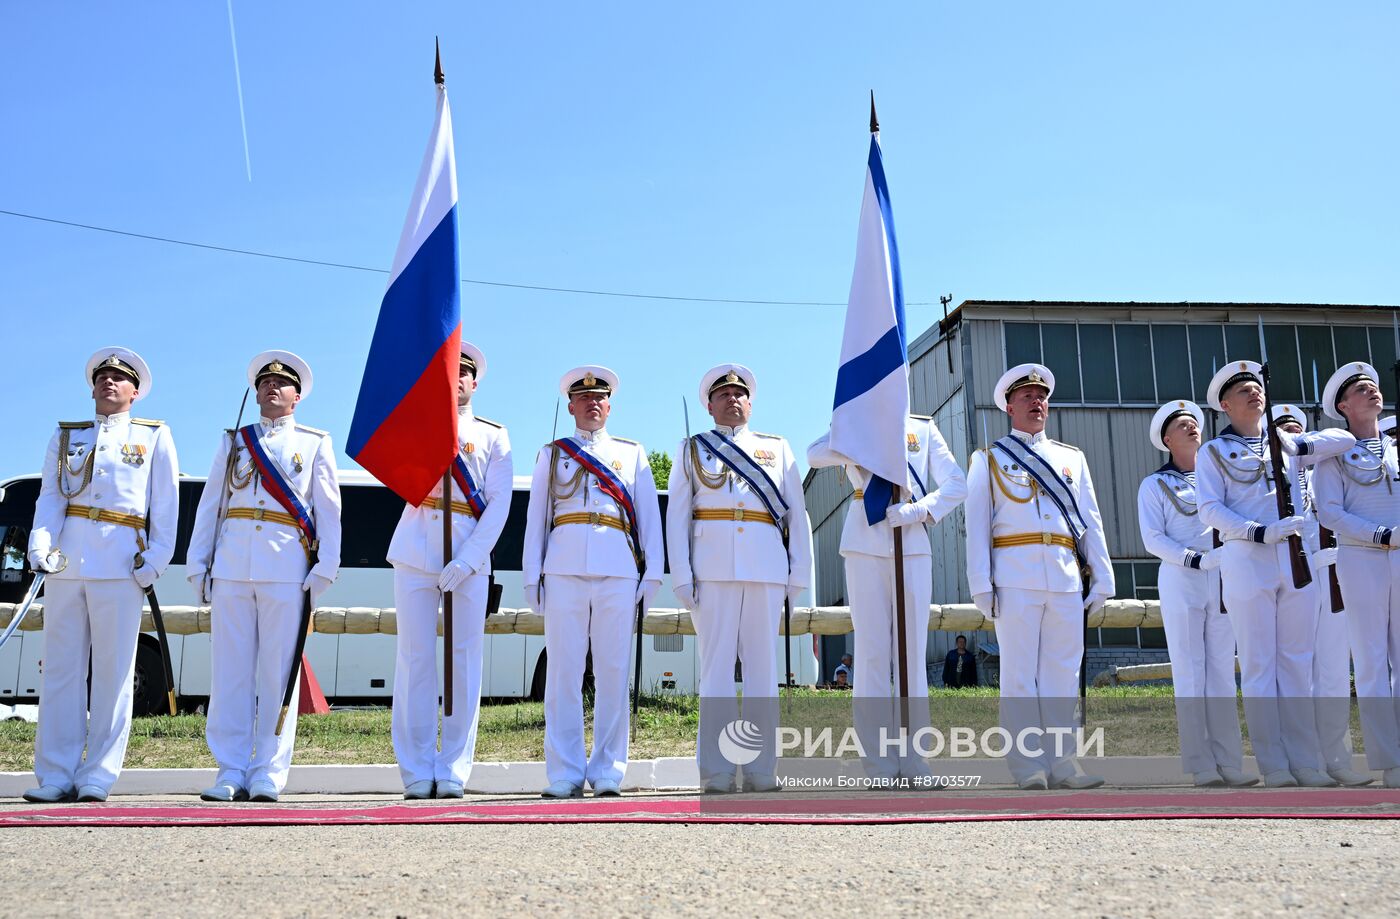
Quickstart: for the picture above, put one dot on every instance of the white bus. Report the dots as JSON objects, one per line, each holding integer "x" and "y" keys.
{"x": 352, "y": 669}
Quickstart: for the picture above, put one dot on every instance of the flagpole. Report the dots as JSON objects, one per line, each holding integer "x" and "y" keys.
{"x": 901, "y": 639}
{"x": 447, "y": 652}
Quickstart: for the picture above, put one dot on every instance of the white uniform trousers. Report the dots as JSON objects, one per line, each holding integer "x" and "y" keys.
{"x": 1275, "y": 628}
{"x": 1331, "y": 676}
{"x": 1370, "y": 580}
{"x": 1040, "y": 634}
{"x": 579, "y": 611}
{"x": 81, "y": 616}
{"x": 737, "y": 619}
{"x": 414, "y": 724}
{"x": 1201, "y": 644}
{"x": 875, "y": 695}
{"x": 253, "y": 631}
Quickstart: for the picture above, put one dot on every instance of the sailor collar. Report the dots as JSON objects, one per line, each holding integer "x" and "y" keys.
{"x": 1170, "y": 468}
{"x": 1231, "y": 432}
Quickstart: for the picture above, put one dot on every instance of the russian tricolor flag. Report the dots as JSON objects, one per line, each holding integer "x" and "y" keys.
{"x": 405, "y": 426}
{"x": 872, "y": 384}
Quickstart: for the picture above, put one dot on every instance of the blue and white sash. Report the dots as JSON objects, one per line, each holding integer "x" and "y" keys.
{"x": 1049, "y": 481}
{"x": 922, "y": 490}
{"x": 744, "y": 466}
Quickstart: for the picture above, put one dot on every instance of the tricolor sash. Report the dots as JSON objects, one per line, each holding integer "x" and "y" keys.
{"x": 1049, "y": 481}
{"x": 743, "y": 465}
{"x": 463, "y": 477}
{"x": 611, "y": 485}
{"x": 275, "y": 481}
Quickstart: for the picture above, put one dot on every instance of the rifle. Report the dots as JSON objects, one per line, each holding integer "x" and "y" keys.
{"x": 1395, "y": 369}
{"x": 1326, "y": 538}
{"x": 1283, "y": 488}
{"x": 1216, "y": 544}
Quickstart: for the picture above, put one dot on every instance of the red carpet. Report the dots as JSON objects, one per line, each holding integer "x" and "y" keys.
{"x": 1350, "y": 804}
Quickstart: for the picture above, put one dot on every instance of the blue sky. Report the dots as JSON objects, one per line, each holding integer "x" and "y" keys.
{"x": 1199, "y": 151}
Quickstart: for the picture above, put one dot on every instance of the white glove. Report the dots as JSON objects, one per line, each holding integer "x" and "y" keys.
{"x": 145, "y": 576}
{"x": 40, "y": 562}
{"x": 646, "y": 590}
{"x": 1095, "y": 603}
{"x": 1323, "y": 558}
{"x": 1276, "y": 533}
{"x": 903, "y": 515}
{"x": 985, "y": 604}
{"x": 199, "y": 586}
{"x": 1288, "y": 442}
{"x": 533, "y": 596}
{"x": 685, "y": 595}
{"x": 1212, "y": 559}
{"x": 454, "y": 575}
{"x": 316, "y": 585}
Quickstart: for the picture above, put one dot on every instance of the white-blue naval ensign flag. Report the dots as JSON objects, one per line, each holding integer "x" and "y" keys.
{"x": 872, "y": 384}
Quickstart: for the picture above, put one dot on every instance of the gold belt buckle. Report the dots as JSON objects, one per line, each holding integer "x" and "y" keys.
{"x": 1046, "y": 539}
{"x": 94, "y": 513}
{"x": 739, "y": 514}
{"x": 595, "y": 518}
{"x": 257, "y": 513}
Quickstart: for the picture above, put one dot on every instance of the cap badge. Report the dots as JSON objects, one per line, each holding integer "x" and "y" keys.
{"x": 275, "y": 367}
{"x": 731, "y": 377}
{"x": 589, "y": 379}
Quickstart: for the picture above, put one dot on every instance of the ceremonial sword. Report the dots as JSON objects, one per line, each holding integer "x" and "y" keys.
{"x": 161, "y": 635}
{"x": 1326, "y": 539}
{"x": 30, "y": 596}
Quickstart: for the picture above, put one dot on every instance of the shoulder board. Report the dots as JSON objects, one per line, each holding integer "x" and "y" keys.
{"x": 74, "y": 425}
{"x": 626, "y": 441}
{"x": 1059, "y": 443}
{"x": 317, "y": 431}
{"x": 494, "y": 424}
{"x": 769, "y": 436}
{"x": 148, "y": 422}
{"x": 921, "y": 417}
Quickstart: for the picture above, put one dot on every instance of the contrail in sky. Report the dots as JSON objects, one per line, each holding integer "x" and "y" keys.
{"x": 238, "y": 79}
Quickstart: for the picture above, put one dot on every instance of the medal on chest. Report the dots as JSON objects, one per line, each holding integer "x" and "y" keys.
{"x": 134, "y": 454}
{"x": 912, "y": 442}
{"x": 297, "y": 463}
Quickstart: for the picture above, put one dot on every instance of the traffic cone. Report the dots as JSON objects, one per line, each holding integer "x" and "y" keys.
{"x": 311, "y": 700}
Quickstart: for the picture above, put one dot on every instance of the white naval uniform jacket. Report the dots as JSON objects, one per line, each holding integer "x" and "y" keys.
{"x": 485, "y": 448}
{"x": 1235, "y": 486}
{"x": 1170, "y": 522}
{"x": 587, "y": 550}
{"x": 938, "y": 471}
{"x": 990, "y": 513}
{"x": 1357, "y": 496}
{"x": 735, "y": 550}
{"x": 134, "y": 471}
{"x": 262, "y": 550}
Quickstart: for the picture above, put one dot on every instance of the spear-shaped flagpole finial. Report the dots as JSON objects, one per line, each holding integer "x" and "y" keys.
{"x": 438, "y": 76}
{"x": 874, "y": 122}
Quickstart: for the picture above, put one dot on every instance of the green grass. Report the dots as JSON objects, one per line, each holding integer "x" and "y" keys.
{"x": 1137, "y": 721}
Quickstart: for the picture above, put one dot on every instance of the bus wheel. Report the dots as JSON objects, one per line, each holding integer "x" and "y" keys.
{"x": 537, "y": 682}
{"x": 148, "y": 681}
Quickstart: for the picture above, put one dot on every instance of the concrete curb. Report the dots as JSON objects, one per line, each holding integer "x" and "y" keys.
{"x": 672, "y": 773}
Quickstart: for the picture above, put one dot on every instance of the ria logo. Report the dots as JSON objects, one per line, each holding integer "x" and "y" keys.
{"x": 740, "y": 742}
